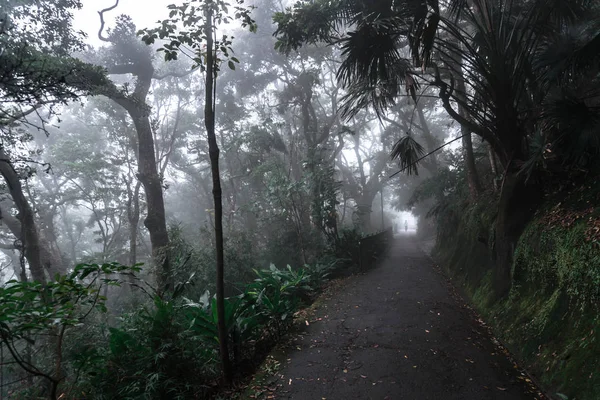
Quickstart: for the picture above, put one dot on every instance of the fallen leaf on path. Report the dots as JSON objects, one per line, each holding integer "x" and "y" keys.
{"x": 363, "y": 376}
{"x": 500, "y": 388}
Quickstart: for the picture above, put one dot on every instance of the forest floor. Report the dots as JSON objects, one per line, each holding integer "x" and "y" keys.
{"x": 400, "y": 331}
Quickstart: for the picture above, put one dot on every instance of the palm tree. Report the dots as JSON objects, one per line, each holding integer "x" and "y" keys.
{"x": 522, "y": 62}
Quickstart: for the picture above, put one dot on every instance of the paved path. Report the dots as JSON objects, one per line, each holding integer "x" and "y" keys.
{"x": 398, "y": 332}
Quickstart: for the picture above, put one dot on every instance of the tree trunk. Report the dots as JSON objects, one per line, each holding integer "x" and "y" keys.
{"x": 68, "y": 228}
{"x": 364, "y": 211}
{"x": 467, "y": 142}
{"x": 472, "y": 175}
{"x": 431, "y": 162}
{"x": 133, "y": 215}
{"x": 213, "y": 150}
{"x": 517, "y": 205}
{"x": 28, "y": 233}
{"x": 139, "y": 111}
{"x": 155, "y": 221}
{"x": 494, "y": 166}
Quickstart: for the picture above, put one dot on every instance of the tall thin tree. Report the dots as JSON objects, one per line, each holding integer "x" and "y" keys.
{"x": 200, "y": 22}
{"x": 213, "y": 150}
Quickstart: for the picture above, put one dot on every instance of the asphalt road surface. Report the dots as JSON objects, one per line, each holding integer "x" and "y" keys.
{"x": 398, "y": 332}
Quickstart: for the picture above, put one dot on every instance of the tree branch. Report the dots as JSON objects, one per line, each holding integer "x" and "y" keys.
{"x": 445, "y": 95}
{"x": 8, "y": 246}
{"x": 101, "y": 13}
{"x": 14, "y": 118}
{"x": 122, "y": 69}
{"x": 172, "y": 74}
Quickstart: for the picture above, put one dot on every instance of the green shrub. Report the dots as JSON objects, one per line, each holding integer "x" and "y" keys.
{"x": 168, "y": 349}
{"x": 167, "y": 346}
{"x": 276, "y": 294}
{"x": 157, "y": 354}
{"x": 345, "y": 249}
{"x": 43, "y": 319}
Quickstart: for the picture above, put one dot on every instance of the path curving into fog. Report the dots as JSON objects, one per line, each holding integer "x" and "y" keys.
{"x": 398, "y": 332}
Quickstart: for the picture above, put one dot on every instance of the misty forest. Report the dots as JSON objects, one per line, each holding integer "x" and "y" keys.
{"x": 315, "y": 199}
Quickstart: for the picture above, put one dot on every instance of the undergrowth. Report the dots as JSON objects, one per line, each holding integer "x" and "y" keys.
{"x": 166, "y": 346}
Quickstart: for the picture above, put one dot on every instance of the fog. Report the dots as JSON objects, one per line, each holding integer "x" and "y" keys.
{"x": 89, "y": 187}
{"x": 110, "y": 192}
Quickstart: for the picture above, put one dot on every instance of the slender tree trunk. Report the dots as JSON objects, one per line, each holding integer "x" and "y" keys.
{"x": 28, "y": 233}
{"x": 494, "y": 165}
{"x": 213, "y": 150}
{"x": 467, "y": 142}
{"x": 133, "y": 214}
{"x": 431, "y": 163}
{"x": 68, "y": 228}
{"x": 472, "y": 175}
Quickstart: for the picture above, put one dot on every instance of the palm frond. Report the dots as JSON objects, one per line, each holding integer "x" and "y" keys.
{"x": 565, "y": 54}
{"x": 573, "y": 117}
{"x": 538, "y": 149}
{"x": 370, "y": 53}
{"x": 457, "y": 7}
{"x": 381, "y": 95}
{"x": 408, "y": 152}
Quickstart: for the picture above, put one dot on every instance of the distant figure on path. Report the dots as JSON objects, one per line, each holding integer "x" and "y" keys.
{"x": 405, "y": 226}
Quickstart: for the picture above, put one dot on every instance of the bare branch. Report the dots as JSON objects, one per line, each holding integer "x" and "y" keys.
{"x": 14, "y": 118}
{"x": 101, "y": 13}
